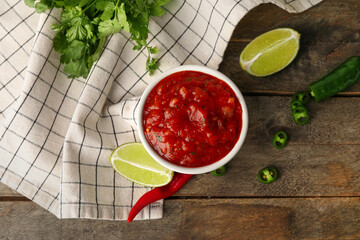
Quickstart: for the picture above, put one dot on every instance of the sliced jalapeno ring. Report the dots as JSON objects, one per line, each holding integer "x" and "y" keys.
{"x": 303, "y": 97}
{"x": 300, "y": 115}
{"x": 268, "y": 174}
{"x": 280, "y": 139}
{"x": 295, "y": 104}
{"x": 219, "y": 172}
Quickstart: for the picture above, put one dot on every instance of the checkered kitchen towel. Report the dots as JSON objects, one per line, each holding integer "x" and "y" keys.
{"x": 57, "y": 133}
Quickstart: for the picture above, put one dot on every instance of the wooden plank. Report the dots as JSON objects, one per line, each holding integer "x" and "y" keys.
{"x": 322, "y": 157}
{"x": 327, "y": 39}
{"x": 284, "y": 218}
{"x": 333, "y": 121}
{"x": 6, "y": 192}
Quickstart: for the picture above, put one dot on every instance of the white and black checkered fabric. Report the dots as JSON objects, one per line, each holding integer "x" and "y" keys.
{"x": 57, "y": 133}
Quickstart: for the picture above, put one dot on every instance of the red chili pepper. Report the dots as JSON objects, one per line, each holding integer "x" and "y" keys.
{"x": 163, "y": 192}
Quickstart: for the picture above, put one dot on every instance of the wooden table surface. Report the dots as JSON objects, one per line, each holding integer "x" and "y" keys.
{"x": 318, "y": 193}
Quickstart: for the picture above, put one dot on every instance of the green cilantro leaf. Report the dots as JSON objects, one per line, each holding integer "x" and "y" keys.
{"x": 95, "y": 56}
{"x": 108, "y": 11}
{"x": 80, "y": 29}
{"x": 153, "y": 50}
{"x": 76, "y": 68}
{"x": 151, "y": 65}
{"x": 82, "y": 3}
{"x": 71, "y": 3}
{"x": 68, "y": 14}
{"x": 76, "y": 24}
{"x": 58, "y": 3}
{"x": 101, "y": 4}
{"x": 59, "y": 42}
{"x": 30, "y": 3}
{"x": 138, "y": 47}
{"x": 156, "y": 7}
{"x": 108, "y": 27}
{"x": 74, "y": 51}
{"x": 139, "y": 27}
{"x": 140, "y": 5}
{"x": 43, "y": 5}
{"x": 120, "y": 15}
{"x": 114, "y": 25}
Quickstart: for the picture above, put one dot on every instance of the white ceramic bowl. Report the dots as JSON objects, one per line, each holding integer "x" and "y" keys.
{"x": 193, "y": 170}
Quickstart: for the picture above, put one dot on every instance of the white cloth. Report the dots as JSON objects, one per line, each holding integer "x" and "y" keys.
{"x": 57, "y": 133}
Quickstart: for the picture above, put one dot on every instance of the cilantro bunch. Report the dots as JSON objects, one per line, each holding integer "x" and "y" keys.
{"x": 85, "y": 25}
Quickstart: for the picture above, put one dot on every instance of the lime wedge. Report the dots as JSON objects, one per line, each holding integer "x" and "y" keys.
{"x": 270, "y": 52}
{"x": 133, "y": 162}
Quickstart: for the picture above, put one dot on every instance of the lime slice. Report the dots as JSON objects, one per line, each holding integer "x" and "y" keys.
{"x": 133, "y": 162}
{"x": 270, "y": 52}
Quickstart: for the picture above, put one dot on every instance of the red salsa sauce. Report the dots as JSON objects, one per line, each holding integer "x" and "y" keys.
{"x": 192, "y": 119}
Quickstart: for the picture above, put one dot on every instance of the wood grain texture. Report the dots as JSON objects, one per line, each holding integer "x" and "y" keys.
{"x": 330, "y": 33}
{"x": 6, "y": 192}
{"x": 334, "y": 121}
{"x": 284, "y": 218}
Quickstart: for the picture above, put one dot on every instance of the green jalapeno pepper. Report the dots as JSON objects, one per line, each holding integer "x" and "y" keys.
{"x": 303, "y": 97}
{"x": 342, "y": 77}
{"x": 300, "y": 115}
{"x": 279, "y": 139}
{"x": 268, "y": 174}
{"x": 219, "y": 172}
{"x": 296, "y": 103}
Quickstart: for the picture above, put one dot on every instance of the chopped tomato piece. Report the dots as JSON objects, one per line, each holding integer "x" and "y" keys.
{"x": 183, "y": 92}
{"x": 228, "y": 111}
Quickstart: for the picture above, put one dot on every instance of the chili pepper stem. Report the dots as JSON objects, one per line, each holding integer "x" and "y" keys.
{"x": 156, "y": 194}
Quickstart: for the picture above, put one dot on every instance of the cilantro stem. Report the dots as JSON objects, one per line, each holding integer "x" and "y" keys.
{"x": 116, "y": 9}
{"x": 88, "y": 6}
{"x": 148, "y": 50}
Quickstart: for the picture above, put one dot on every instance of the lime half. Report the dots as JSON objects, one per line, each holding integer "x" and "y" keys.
{"x": 270, "y": 52}
{"x": 133, "y": 162}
